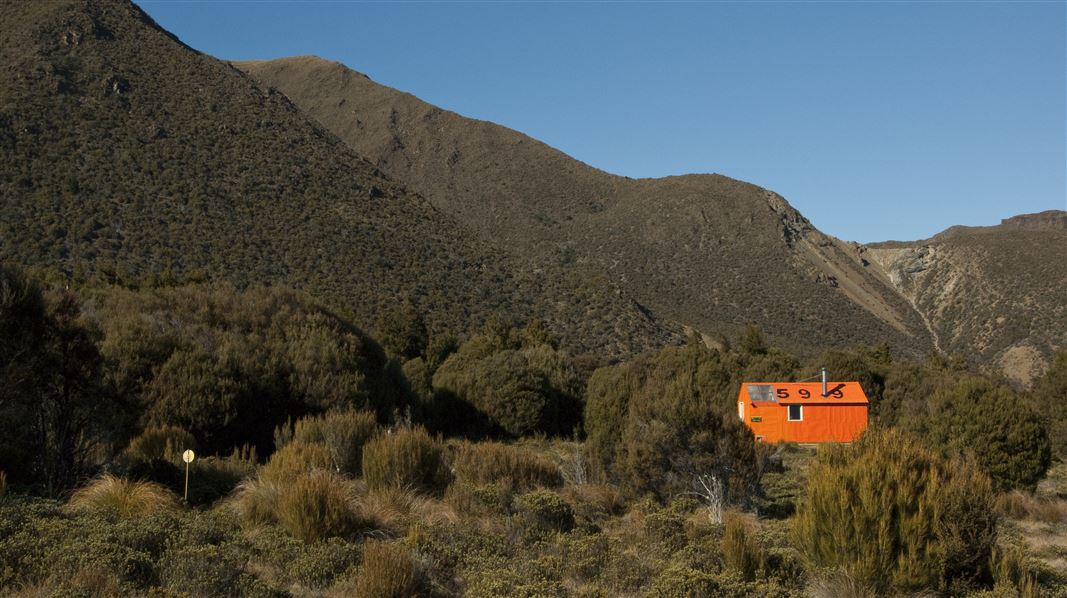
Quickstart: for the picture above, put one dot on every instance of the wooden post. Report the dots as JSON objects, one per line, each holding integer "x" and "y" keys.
{"x": 188, "y": 457}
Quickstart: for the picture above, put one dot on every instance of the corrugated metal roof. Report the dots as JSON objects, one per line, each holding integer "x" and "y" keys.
{"x": 786, "y": 393}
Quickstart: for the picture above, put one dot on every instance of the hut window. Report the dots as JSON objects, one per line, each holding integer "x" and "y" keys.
{"x": 796, "y": 413}
{"x": 741, "y": 410}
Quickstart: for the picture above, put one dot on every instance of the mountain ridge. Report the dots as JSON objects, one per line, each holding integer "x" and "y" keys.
{"x": 125, "y": 154}
{"x": 683, "y": 245}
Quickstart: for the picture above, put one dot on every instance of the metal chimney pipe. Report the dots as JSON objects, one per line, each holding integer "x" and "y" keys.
{"x": 824, "y": 383}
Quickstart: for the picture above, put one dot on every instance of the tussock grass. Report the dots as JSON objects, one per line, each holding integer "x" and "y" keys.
{"x": 123, "y": 498}
{"x": 311, "y": 506}
{"x": 393, "y": 510}
{"x": 256, "y": 502}
{"x": 387, "y": 571}
{"x": 494, "y": 462}
{"x": 740, "y": 551}
{"x": 839, "y": 584}
{"x": 295, "y": 459}
{"x": 405, "y": 458}
{"x": 1021, "y": 505}
{"x": 319, "y": 505}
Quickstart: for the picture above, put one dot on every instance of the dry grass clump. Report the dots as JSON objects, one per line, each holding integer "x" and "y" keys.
{"x": 839, "y": 584}
{"x": 311, "y": 506}
{"x": 1012, "y": 570}
{"x": 739, "y": 548}
{"x": 595, "y": 502}
{"x": 256, "y": 502}
{"x": 123, "y": 498}
{"x": 1021, "y": 505}
{"x": 387, "y": 571}
{"x": 494, "y": 462}
{"x": 395, "y": 509}
{"x": 319, "y": 505}
{"x": 294, "y": 459}
{"x": 405, "y": 458}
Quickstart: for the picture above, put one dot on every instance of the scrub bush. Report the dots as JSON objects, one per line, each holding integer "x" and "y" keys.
{"x": 209, "y": 570}
{"x": 991, "y": 421}
{"x": 654, "y": 427}
{"x": 406, "y": 458}
{"x": 679, "y": 580}
{"x": 343, "y": 433}
{"x": 896, "y": 516}
{"x": 121, "y": 498}
{"x": 515, "y": 378}
{"x": 165, "y": 443}
{"x": 544, "y": 511}
{"x": 493, "y": 462}
{"x": 321, "y": 564}
{"x": 1050, "y": 394}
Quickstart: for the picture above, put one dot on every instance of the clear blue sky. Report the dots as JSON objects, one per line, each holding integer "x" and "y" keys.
{"x": 878, "y": 120}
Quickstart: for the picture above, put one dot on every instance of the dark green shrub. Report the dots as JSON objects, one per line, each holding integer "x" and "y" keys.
{"x": 204, "y": 571}
{"x": 1050, "y": 398}
{"x": 58, "y": 411}
{"x": 386, "y": 571}
{"x": 653, "y": 425}
{"x": 164, "y": 443}
{"x": 486, "y": 499}
{"x": 991, "y": 421}
{"x": 516, "y": 379}
{"x": 343, "y": 433}
{"x": 679, "y": 580}
{"x": 543, "y": 511}
{"x": 897, "y": 516}
{"x": 230, "y": 366}
{"x": 405, "y": 458}
{"x": 402, "y": 333}
{"x": 321, "y": 564}
{"x": 493, "y": 462}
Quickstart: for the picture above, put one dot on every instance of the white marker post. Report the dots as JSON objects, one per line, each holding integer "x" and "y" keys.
{"x": 188, "y": 457}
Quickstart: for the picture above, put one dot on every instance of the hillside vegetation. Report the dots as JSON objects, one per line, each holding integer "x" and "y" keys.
{"x": 126, "y": 157}
{"x": 323, "y": 470}
{"x": 710, "y": 252}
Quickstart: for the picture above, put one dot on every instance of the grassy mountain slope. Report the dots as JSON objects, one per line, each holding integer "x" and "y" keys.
{"x": 995, "y": 294}
{"x": 125, "y": 154}
{"x": 705, "y": 250}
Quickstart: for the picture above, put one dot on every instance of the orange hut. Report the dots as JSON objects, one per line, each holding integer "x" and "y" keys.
{"x": 803, "y": 411}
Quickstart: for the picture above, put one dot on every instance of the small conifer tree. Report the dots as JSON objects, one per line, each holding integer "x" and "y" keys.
{"x": 897, "y": 516}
